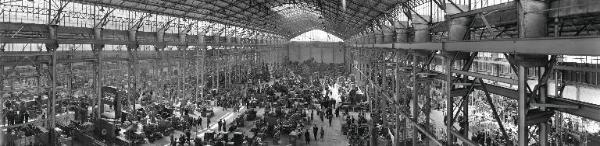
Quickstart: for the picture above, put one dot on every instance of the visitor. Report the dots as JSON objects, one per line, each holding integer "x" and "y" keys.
{"x": 220, "y": 125}
{"x": 321, "y": 115}
{"x": 188, "y": 135}
{"x": 322, "y": 133}
{"x": 181, "y": 140}
{"x": 199, "y": 122}
{"x": 173, "y": 142}
{"x": 307, "y": 136}
{"x": 330, "y": 117}
{"x": 207, "y": 122}
{"x": 315, "y": 130}
{"x": 224, "y": 125}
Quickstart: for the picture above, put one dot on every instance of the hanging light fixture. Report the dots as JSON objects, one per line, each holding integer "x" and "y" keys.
{"x": 101, "y": 9}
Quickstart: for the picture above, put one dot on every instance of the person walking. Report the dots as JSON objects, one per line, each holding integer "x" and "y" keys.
{"x": 312, "y": 113}
{"x": 208, "y": 122}
{"x": 199, "y": 122}
{"x": 315, "y": 130}
{"x": 321, "y": 115}
{"x": 322, "y": 133}
{"x": 307, "y": 137}
{"x": 330, "y": 117}
{"x": 220, "y": 123}
{"x": 173, "y": 142}
{"x": 188, "y": 135}
{"x": 224, "y": 125}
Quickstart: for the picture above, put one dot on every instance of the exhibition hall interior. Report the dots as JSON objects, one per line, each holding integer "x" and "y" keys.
{"x": 299, "y": 72}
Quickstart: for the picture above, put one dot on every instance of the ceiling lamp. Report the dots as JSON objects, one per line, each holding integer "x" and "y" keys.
{"x": 101, "y": 9}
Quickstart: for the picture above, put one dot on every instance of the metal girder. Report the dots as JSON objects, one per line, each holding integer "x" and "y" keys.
{"x": 136, "y": 26}
{"x": 587, "y": 46}
{"x": 586, "y": 110}
{"x": 498, "y": 7}
{"x": 116, "y": 42}
{"x": 455, "y": 5}
{"x": 463, "y": 138}
{"x": 489, "y": 77}
{"x": 441, "y": 4}
{"x": 103, "y": 21}
{"x": 256, "y": 14}
{"x": 56, "y": 18}
{"x": 573, "y": 68}
{"x": 488, "y": 99}
{"x": 544, "y": 79}
{"x": 421, "y": 129}
{"x": 459, "y": 92}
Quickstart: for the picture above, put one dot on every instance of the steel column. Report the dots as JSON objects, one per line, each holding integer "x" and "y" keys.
{"x": 132, "y": 73}
{"x": 447, "y": 89}
{"x": 543, "y": 131}
{"x": 97, "y": 49}
{"x": 203, "y": 73}
{"x": 2, "y": 78}
{"x": 397, "y": 98}
{"x": 494, "y": 112}
{"x": 51, "y": 114}
{"x": 415, "y": 111}
{"x": 523, "y": 131}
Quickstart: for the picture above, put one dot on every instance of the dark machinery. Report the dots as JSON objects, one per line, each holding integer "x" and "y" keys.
{"x": 116, "y": 95}
{"x": 105, "y": 127}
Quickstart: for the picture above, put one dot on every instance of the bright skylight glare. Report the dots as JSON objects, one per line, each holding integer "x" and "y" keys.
{"x": 292, "y": 10}
{"x": 317, "y": 35}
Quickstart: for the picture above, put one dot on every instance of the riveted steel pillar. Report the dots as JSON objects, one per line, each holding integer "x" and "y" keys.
{"x": 532, "y": 24}
{"x": 158, "y": 63}
{"x": 2, "y": 92}
{"x": 97, "y": 50}
{"x": 203, "y": 63}
{"x": 415, "y": 101}
{"x": 182, "y": 66}
{"x": 132, "y": 75}
{"x": 421, "y": 26}
{"x": 397, "y": 98}
{"x": 228, "y": 62}
{"x": 522, "y": 111}
{"x": 458, "y": 29}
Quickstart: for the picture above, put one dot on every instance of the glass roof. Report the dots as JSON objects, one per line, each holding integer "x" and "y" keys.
{"x": 294, "y": 10}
